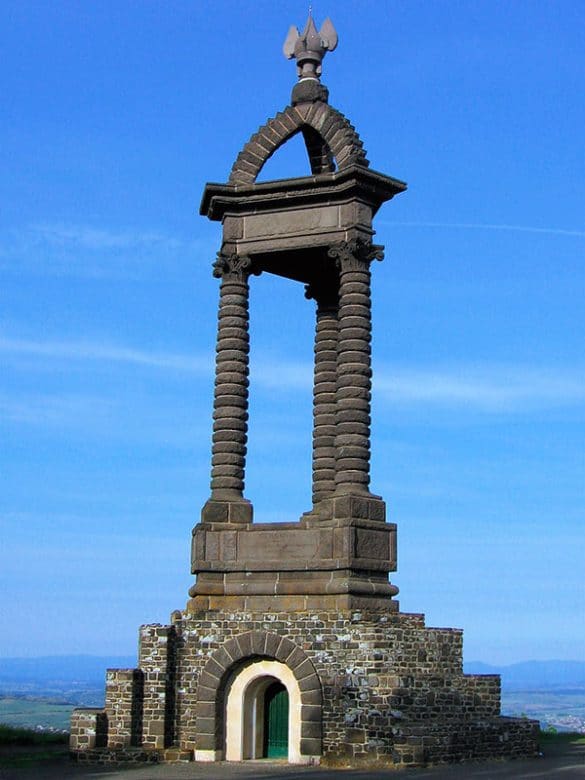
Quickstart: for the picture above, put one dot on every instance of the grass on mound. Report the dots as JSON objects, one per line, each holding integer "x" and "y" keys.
{"x": 14, "y": 735}
{"x": 552, "y": 736}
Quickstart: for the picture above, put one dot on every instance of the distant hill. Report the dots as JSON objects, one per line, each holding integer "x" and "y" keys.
{"x": 70, "y": 669}
{"x": 67, "y": 671}
{"x": 534, "y": 675}
{"x": 60, "y": 679}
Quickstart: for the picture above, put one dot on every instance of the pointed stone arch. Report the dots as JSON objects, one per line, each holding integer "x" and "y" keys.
{"x": 328, "y": 136}
{"x": 228, "y": 660}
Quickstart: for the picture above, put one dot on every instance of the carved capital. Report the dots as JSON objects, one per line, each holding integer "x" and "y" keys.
{"x": 355, "y": 255}
{"x": 232, "y": 265}
{"x": 325, "y": 295}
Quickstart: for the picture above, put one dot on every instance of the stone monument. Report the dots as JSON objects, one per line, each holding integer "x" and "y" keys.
{"x": 292, "y": 644}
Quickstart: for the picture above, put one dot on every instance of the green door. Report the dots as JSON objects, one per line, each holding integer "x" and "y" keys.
{"x": 276, "y": 721}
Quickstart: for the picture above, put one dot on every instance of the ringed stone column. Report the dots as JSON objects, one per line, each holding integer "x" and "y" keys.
{"x": 354, "y": 373}
{"x": 230, "y": 404}
{"x": 324, "y": 390}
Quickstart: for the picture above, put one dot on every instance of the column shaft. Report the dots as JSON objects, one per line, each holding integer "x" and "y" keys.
{"x": 230, "y": 405}
{"x": 324, "y": 401}
{"x": 353, "y": 389}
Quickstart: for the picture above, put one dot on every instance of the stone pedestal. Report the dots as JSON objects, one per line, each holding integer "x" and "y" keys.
{"x": 340, "y": 562}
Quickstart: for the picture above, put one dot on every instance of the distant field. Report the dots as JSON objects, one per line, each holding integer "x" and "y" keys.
{"x": 24, "y": 712}
{"x": 563, "y": 710}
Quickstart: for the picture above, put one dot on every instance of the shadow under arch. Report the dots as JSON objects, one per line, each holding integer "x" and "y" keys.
{"x": 222, "y": 668}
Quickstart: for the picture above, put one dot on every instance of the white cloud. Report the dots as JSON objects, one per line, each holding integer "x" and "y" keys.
{"x": 96, "y": 239}
{"x": 552, "y": 231}
{"x": 487, "y": 388}
{"x": 91, "y": 351}
{"x": 95, "y": 252}
{"x": 54, "y": 410}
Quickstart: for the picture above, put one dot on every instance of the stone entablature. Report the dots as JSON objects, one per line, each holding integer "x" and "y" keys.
{"x": 288, "y": 215}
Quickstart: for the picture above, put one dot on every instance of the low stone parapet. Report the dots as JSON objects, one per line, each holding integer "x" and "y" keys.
{"x": 89, "y": 729}
{"x": 132, "y": 756}
{"x": 117, "y": 756}
{"x": 436, "y": 742}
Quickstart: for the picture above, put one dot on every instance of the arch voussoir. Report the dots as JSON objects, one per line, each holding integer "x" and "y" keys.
{"x": 285, "y": 648}
{"x": 208, "y": 681}
{"x": 258, "y": 642}
{"x": 304, "y": 669}
{"x": 244, "y": 642}
{"x": 272, "y": 644}
{"x": 232, "y": 648}
{"x": 222, "y": 658}
{"x": 310, "y": 683}
{"x": 317, "y": 113}
{"x": 287, "y": 122}
{"x": 296, "y": 658}
{"x": 216, "y": 668}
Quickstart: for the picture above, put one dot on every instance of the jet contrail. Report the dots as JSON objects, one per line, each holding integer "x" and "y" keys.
{"x": 478, "y": 226}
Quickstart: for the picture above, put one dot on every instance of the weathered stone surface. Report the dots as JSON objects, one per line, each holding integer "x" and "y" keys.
{"x": 379, "y": 685}
{"x": 374, "y": 684}
{"x": 89, "y": 729}
{"x": 124, "y": 706}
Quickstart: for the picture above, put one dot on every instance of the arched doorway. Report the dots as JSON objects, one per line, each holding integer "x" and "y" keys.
{"x": 263, "y": 713}
{"x": 220, "y": 706}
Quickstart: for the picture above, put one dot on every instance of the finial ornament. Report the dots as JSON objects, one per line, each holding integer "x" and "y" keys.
{"x": 310, "y": 46}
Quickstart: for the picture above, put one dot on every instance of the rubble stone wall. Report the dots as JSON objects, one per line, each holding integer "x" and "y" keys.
{"x": 379, "y": 688}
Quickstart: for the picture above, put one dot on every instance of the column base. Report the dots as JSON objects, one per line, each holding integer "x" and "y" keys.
{"x": 356, "y": 506}
{"x": 227, "y": 511}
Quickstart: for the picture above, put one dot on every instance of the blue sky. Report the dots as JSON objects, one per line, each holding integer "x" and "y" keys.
{"x": 115, "y": 114}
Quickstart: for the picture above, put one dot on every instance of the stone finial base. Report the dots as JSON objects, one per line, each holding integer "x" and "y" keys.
{"x": 309, "y": 91}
